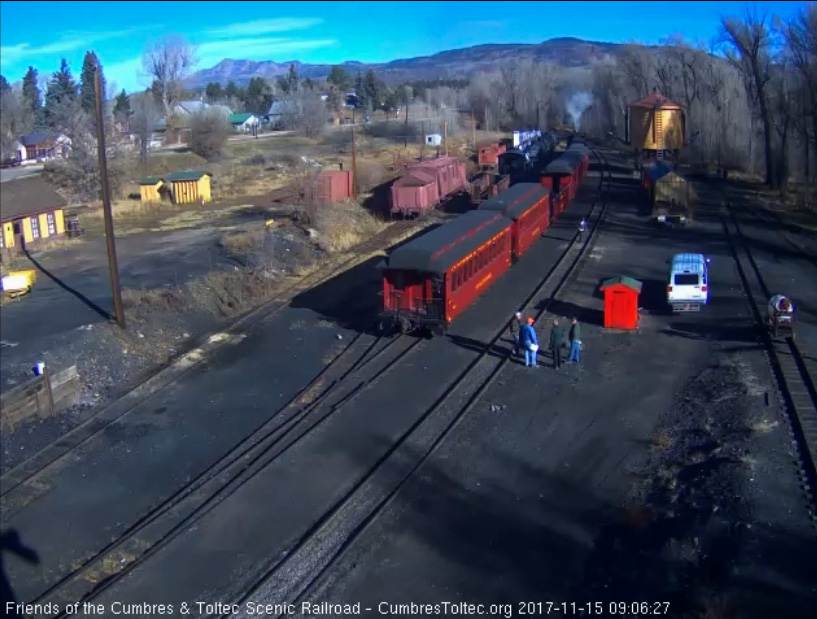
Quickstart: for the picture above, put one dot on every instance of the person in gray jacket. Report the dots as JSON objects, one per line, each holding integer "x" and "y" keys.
{"x": 514, "y": 328}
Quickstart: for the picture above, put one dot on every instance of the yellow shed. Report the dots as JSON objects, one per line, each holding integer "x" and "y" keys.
{"x": 655, "y": 123}
{"x": 189, "y": 186}
{"x": 149, "y": 189}
{"x": 30, "y": 211}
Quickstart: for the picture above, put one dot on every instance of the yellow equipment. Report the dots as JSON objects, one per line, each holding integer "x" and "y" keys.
{"x": 18, "y": 283}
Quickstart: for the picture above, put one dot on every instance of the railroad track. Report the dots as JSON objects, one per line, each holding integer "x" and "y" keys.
{"x": 348, "y": 376}
{"x": 351, "y": 372}
{"x": 287, "y": 580}
{"x": 795, "y": 373}
{"x": 111, "y": 413}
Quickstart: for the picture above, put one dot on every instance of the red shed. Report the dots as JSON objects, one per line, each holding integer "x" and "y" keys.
{"x": 621, "y": 302}
{"x": 330, "y": 186}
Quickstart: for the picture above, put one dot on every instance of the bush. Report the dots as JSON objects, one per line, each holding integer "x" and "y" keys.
{"x": 209, "y": 131}
{"x": 79, "y": 175}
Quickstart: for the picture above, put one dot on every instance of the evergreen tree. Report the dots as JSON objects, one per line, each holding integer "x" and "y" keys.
{"x": 122, "y": 105}
{"x": 31, "y": 92}
{"x": 360, "y": 92}
{"x": 259, "y": 97}
{"x": 62, "y": 92}
{"x": 292, "y": 79}
{"x": 213, "y": 92}
{"x": 4, "y": 85}
{"x": 87, "y": 90}
{"x": 339, "y": 78}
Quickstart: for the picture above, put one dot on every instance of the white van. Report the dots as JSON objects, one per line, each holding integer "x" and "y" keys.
{"x": 688, "y": 287}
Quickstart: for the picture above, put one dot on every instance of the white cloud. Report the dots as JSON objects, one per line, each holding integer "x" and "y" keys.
{"x": 70, "y": 41}
{"x": 263, "y": 26}
{"x": 128, "y": 74}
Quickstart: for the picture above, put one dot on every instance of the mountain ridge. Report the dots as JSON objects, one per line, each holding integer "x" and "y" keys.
{"x": 458, "y": 63}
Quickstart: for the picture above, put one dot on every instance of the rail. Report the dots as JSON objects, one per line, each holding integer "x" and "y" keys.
{"x": 113, "y": 412}
{"x": 328, "y": 539}
{"x": 795, "y": 382}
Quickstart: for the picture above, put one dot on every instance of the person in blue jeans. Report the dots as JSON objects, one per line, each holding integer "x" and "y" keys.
{"x": 575, "y": 336}
{"x": 529, "y": 343}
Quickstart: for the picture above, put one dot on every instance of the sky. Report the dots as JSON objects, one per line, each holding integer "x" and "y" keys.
{"x": 326, "y": 32}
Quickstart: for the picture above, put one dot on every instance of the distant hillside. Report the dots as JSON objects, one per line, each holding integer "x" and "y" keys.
{"x": 456, "y": 63}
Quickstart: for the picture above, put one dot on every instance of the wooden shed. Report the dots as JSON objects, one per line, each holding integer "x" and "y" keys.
{"x": 667, "y": 186}
{"x": 189, "y": 186}
{"x": 621, "y": 302}
{"x": 150, "y": 189}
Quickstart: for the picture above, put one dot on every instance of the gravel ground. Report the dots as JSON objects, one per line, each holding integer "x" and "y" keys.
{"x": 108, "y": 359}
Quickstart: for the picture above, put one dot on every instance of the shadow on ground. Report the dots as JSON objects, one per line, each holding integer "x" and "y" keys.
{"x": 10, "y": 543}
{"x": 352, "y": 299}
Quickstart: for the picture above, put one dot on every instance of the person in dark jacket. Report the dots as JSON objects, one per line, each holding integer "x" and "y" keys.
{"x": 575, "y": 337}
{"x": 514, "y": 327}
{"x": 529, "y": 343}
{"x": 557, "y": 336}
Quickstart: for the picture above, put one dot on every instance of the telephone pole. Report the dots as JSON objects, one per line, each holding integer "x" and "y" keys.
{"x": 354, "y": 163}
{"x": 405, "y": 131}
{"x": 106, "y": 201}
{"x": 473, "y": 128}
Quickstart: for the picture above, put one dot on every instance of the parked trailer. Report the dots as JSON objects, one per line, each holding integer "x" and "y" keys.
{"x": 528, "y": 206}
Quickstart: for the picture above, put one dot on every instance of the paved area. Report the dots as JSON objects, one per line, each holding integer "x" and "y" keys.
{"x": 653, "y": 472}
{"x": 8, "y": 174}
{"x": 117, "y": 477}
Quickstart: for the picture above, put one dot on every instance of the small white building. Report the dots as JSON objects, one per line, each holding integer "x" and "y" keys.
{"x": 434, "y": 139}
{"x": 243, "y": 122}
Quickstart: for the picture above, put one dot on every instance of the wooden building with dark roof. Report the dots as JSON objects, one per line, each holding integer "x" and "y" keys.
{"x": 30, "y": 211}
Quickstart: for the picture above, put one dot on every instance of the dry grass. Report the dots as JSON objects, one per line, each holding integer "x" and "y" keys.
{"x": 243, "y": 241}
{"x": 342, "y": 226}
{"x": 662, "y": 441}
{"x": 165, "y": 299}
{"x": 228, "y": 293}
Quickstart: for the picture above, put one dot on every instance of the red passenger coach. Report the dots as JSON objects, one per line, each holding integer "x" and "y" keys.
{"x": 528, "y": 206}
{"x": 432, "y": 279}
{"x": 558, "y": 170}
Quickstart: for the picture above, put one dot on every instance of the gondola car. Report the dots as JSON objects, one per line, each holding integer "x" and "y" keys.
{"x": 432, "y": 279}
{"x": 528, "y": 206}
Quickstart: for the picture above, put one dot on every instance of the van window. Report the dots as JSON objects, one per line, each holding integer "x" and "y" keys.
{"x": 686, "y": 279}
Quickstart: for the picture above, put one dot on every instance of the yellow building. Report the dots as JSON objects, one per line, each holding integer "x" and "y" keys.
{"x": 150, "y": 189}
{"x": 189, "y": 186}
{"x": 30, "y": 211}
{"x": 655, "y": 123}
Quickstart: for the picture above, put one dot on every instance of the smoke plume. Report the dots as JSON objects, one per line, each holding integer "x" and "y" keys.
{"x": 576, "y": 106}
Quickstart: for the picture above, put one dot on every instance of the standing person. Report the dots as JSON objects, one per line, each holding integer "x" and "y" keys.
{"x": 514, "y": 328}
{"x": 557, "y": 336}
{"x": 582, "y": 228}
{"x": 529, "y": 342}
{"x": 575, "y": 337}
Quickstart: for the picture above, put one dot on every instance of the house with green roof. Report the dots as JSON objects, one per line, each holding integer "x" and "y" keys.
{"x": 243, "y": 122}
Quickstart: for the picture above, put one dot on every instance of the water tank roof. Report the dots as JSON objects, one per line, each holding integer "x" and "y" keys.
{"x": 656, "y": 100}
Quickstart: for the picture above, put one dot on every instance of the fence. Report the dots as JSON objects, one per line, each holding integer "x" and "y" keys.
{"x": 42, "y": 396}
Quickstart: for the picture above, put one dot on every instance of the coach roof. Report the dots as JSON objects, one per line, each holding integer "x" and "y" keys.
{"x": 439, "y": 249}
{"x": 517, "y": 200}
{"x": 563, "y": 164}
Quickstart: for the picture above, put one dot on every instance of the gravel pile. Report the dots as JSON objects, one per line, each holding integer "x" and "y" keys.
{"x": 686, "y": 518}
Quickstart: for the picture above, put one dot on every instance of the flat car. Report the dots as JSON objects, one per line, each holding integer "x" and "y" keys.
{"x": 432, "y": 279}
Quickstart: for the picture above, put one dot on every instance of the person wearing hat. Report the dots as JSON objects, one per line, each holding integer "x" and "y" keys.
{"x": 514, "y": 328}
{"x": 557, "y": 336}
{"x": 529, "y": 342}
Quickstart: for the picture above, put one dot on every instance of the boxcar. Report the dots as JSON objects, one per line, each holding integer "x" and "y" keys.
{"x": 414, "y": 193}
{"x": 432, "y": 279}
{"x": 528, "y": 206}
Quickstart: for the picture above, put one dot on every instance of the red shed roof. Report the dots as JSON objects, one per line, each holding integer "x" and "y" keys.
{"x": 656, "y": 100}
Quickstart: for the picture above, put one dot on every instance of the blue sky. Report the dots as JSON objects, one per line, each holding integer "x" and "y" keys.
{"x": 326, "y": 32}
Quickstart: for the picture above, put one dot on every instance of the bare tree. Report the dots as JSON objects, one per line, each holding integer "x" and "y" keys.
{"x": 209, "y": 131}
{"x": 637, "y": 69}
{"x": 169, "y": 62}
{"x": 16, "y": 119}
{"x": 750, "y": 51}
{"x": 801, "y": 39}
{"x": 306, "y": 112}
{"x": 143, "y": 122}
